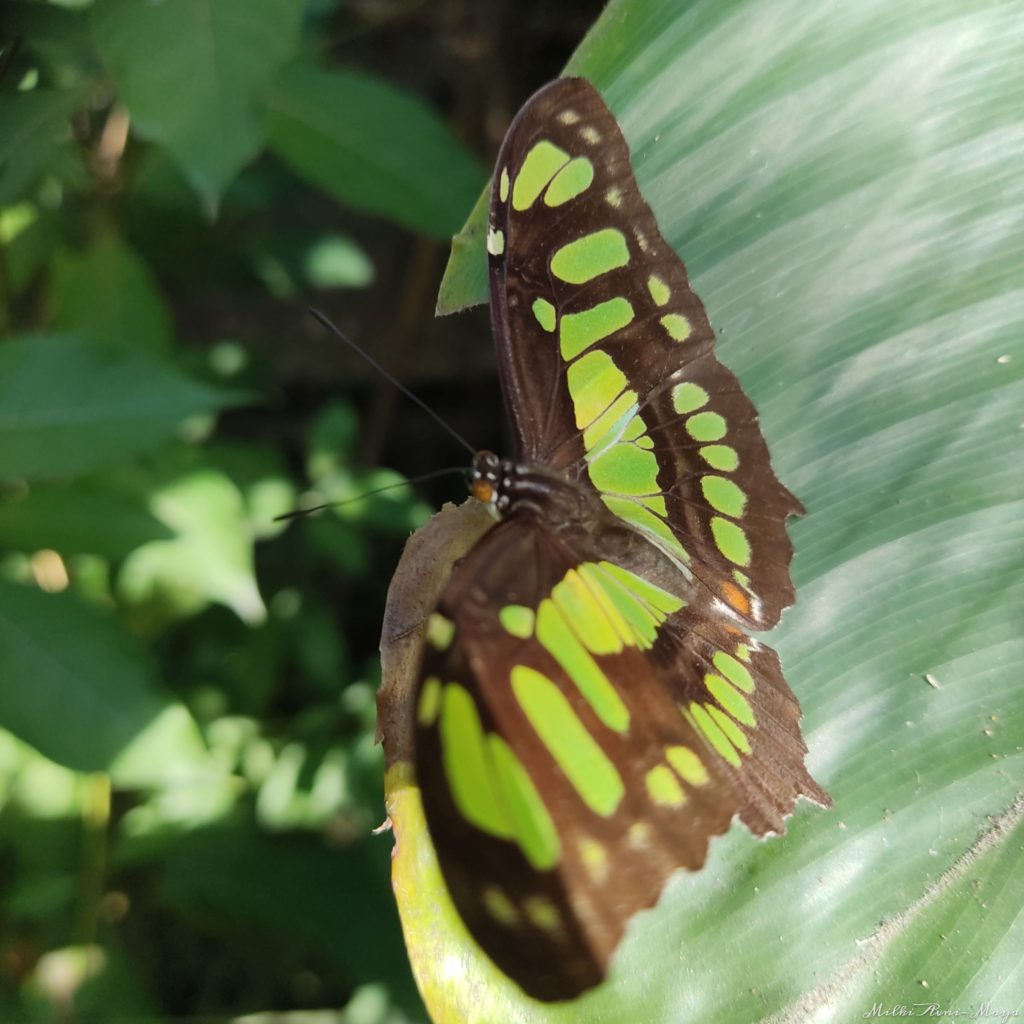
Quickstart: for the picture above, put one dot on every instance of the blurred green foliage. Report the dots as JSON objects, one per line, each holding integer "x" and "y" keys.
{"x": 188, "y": 777}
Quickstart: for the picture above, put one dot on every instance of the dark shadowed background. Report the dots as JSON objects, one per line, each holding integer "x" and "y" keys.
{"x": 187, "y": 772}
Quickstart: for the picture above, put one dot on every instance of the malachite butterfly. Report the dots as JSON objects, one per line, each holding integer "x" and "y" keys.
{"x": 591, "y": 707}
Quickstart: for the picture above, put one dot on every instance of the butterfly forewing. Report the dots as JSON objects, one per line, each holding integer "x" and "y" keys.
{"x": 607, "y": 362}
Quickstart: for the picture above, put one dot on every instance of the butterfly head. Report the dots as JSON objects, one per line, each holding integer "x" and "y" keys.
{"x": 491, "y": 481}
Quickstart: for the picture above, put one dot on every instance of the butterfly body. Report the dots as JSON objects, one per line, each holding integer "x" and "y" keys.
{"x": 592, "y": 708}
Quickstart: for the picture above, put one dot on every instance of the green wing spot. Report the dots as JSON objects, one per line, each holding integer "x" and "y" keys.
{"x": 731, "y": 540}
{"x": 643, "y": 605}
{"x": 574, "y": 750}
{"x": 558, "y": 639}
{"x": 430, "y": 702}
{"x": 540, "y": 166}
{"x": 689, "y": 766}
{"x": 584, "y": 613}
{"x": 610, "y": 426}
{"x": 500, "y": 907}
{"x": 590, "y": 256}
{"x": 718, "y": 740}
{"x": 634, "y": 429}
{"x": 663, "y": 787}
{"x": 637, "y": 515}
{"x": 467, "y": 766}
{"x": 579, "y": 331}
{"x": 594, "y": 383}
{"x": 544, "y": 313}
{"x": 572, "y": 180}
{"x": 642, "y": 621}
{"x": 737, "y": 674}
{"x": 677, "y": 325}
{"x": 591, "y": 576}
{"x": 660, "y": 291}
{"x": 723, "y": 495}
{"x": 535, "y": 831}
{"x": 687, "y": 397}
{"x": 595, "y": 859}
{"x": 647, "y": 592}
{"x": 543, "y": 914}
{"x": 503, "y": 185}
{"x": 735, "y": 734}
{"x": 720, "y": 456}
{"x": 625, "y": 469}
{"x": 706, "y": 426}
{"x": 730, "y": 699}
{"x": 440, "y": 631}
{"x": 517, "y": 620}
{"x": 495, "y": 242}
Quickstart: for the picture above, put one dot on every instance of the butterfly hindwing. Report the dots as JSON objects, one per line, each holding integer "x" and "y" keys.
{"x": 607, "y": 360}
{"x": 572, "y": 754}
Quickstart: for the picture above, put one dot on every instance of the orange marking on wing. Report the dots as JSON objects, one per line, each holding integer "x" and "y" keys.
{"x": 735, "y": 598}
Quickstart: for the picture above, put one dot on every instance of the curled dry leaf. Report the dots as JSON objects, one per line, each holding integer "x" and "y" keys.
{"x": 424, "y": 568}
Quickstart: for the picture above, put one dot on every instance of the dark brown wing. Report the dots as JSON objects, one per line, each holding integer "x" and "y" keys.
{"x": 607, "y": 361}
{"x": 581, "y": 735}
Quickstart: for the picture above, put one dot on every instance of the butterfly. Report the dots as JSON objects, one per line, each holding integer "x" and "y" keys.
{"x": 591, "y": 708}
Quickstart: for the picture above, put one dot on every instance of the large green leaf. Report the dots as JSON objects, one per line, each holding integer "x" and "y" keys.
{"x": 67, "y": 405}
{"x": 844, "y": 183}
{"x": 192, "y": 74}
{"x": 372, "y": 146}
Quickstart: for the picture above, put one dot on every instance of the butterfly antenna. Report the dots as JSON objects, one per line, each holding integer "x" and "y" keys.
{"x": 331, "y": 326}
{"x": 300, "y": 512}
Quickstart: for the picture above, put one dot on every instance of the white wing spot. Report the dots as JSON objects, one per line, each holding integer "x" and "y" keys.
{"x": 590, "y": 134}
{"x": 568, "y": 117}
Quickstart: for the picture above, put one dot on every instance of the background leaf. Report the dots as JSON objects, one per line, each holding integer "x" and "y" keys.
{"x": 843, "y": 185}
{"x": 209, "y": 559}
{"x": 209, "y": 117}
{"x": 107, "y": 294}
{"x": 34, "y": 140}
{"x": 67, "y": 405}
{"x": 91, "y": 518}
{"x": 81, "y": 693}
{"x": 371, "y": 146}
